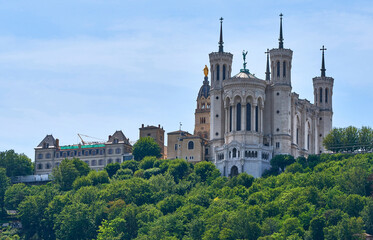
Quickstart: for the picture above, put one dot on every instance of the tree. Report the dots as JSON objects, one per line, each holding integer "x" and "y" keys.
{"x": 334, "y": 140}
{"x": 178, "y": 168}
{"x": 112, "y": 168}
{"x": 75, "y": 223}
{"x": 281, "y": 161}
{"x": 15, "y": 194}
{"x": 350, "y": 138}
{"x": 113, "y": 229}
{"x": 206, "y": 171}
{"x": 147, "y": 162}
{"x": 4, "y": 182}
{"x": 317, "y": 225}
{"x": 15, "y": 164}
{"x": 130, "y": 164}
{"x": 146, "y": 146}
{"x": 65, "y": 174}
{"x": 366, "y": 138}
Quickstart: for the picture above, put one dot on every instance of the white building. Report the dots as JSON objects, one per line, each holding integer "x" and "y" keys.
{"x": 254, "y": 119}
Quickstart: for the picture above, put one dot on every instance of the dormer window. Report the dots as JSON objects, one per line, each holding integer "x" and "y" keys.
{"x": 115, "y": 140}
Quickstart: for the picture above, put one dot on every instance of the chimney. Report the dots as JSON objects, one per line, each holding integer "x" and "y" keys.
{"x": 159, "y": 125}
{"x": 109, "y": 137}
{"x": 57, "y": 143}
{"x": 142, "y": 125}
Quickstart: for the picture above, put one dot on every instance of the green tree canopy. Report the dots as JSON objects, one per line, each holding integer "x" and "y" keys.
{"x": 146, "y": 146}
{"x": 69, "y": 169}
{"x": 16, "y": 164}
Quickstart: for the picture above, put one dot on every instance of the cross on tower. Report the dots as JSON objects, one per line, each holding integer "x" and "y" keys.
{"x": 221, "y": 19}
{"x": 323, "y": 49}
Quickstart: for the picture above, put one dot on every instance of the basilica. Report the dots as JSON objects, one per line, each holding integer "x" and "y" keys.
{"x": 248, "y": 120}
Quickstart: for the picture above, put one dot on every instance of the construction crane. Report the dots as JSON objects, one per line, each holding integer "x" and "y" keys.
{"x": 84, "y": 142}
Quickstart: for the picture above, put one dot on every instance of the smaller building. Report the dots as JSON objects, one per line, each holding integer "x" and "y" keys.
{"x": 157, "y": 133}
{"x": 49, "y": 153}
{"x": 183, "y": 145}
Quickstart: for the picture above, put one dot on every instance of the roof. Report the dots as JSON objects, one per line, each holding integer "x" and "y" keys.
{"x": 204, "y": 91}
{"x": 179, "y": 132}
{"x": 82, "y": 146}
{"x": 243, "y": 74}
{"x": 118, "y": 135}
{"x": 49, "y": 140}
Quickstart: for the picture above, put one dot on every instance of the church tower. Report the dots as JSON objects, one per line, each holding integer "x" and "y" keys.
{"x": 220, "y": 67}
{"x": 323, "y": 92}
{"x": 281, "y": 96}
{"x": 202, "y": 113}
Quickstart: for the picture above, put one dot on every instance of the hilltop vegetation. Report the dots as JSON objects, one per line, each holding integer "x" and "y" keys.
{"x": 322, "y": 197}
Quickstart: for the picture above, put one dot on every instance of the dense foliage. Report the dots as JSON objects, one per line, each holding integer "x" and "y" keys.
{"x": 16, "y": 164}
{"x": 319, "y": 197}
{"x": 349, "y": 139}
{"x": 146, "y": 146}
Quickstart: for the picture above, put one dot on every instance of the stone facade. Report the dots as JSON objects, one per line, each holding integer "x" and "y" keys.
{"x": 49, "y": 153}
{"x": 183, "y": 145}
{"x": 252, "y": 119}
{"x": 157, "y": 133}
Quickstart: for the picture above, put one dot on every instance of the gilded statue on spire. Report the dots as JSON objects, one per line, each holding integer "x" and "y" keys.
{"x": 206, "y": 71}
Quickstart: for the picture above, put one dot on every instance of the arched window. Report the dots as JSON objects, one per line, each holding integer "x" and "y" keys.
{"x": 234, "y": 152}
{"x": 218, "y": 72}
{"x": 110, "y": 151}
{"x": 238, "y": 117}
{"x": 321, "y": 95}
{"x": 234, "y": 171}
{"x": 248, "y": 117}
{"x": 117, "y": 151}
{"x": 308, "y": 141}
{"x": 297, "y": 135}
{"x": 230, "y": 118}
{"x": 190, "y": 145}
{"x": 326, "y": 95}
{"x": 256, "y": 119}
{"x": 224, "y": 70}
{"x": 278, "y": 69}
{"x": 284, "y": 69}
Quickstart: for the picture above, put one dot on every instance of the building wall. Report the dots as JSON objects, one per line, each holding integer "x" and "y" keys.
{"x": 183, "y": 145}
{"x": 157, "y": 133}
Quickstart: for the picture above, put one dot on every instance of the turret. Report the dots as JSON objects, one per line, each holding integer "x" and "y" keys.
{"x": 281, "y": 95}
{"x": 202, "y": 113}
{"x": 220, "y": 67}
{"x": 323, "y": 92}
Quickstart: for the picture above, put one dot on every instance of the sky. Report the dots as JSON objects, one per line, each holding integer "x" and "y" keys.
{"x": 96, "y": 66}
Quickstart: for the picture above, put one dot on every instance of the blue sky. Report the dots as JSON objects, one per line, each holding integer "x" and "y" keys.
{"x": 95, "y": 66}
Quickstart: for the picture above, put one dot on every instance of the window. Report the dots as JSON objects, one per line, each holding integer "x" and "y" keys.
{"x": 117, "y": 160}
{"x": 102, "y": 151}
{"x": 326, "y": 95}
{"x": 101, "y": 162}
{"x": 248, "y": 117}
{"x": 47, "y": 166}
{"x": 234, "y": 152}
{"x": 110, "y": 161}
{"x": 230, "y": 118}
{"x": 308, "y": 141}
{"x": 175, "y": 146}
{"x": 190, "y": 145}
{"x": 218, "y": 72}
{"x": 86, "y": 152}
{"x": 115, "y": 140}
{"x": 297, "y": 135}
{"x": 321, "y": 95}
{"x": 224, "y": 70}
{"x": 278, "y": 69}
{"x": 238, "y": 116}
{"x": 284, "y": 69}
{"x": 110, "y": 151}
{"x": 87, "y": 162}
{"x": 206, "y": 151}
{"x": 40, "y": 166}
{"x": 93, "y": 163}
{"x": 191, "y": 157}
{"x": 256, "y": 119}
{"x": 48, "y": 155}
{"x": 117, "y": 151}
{"x": 277, "y": 145}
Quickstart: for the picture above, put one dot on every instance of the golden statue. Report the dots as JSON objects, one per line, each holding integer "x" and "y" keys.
{"x": 206, "y": 71}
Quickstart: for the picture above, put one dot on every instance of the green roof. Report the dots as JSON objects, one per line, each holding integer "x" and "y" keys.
{"x": 82, "y": 146}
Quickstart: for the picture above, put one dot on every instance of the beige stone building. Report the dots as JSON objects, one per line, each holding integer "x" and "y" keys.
{"x": 157, "y": 133}
{"x": 49, "y": 153}
{"x": 202, "y": 113}
{"x": 253, "y": 119}
{"x": 183, "y": 145}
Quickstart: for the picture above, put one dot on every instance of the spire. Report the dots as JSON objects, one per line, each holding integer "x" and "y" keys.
{"x": 323, "y": 62}
{"x": 281, "y": 39}
{"x": 221, "y": 36}
{"x": 268, "y": 73}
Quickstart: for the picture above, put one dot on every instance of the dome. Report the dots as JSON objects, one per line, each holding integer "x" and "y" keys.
{"x": 204, "y": 91}
{"x": 245, "y": 74}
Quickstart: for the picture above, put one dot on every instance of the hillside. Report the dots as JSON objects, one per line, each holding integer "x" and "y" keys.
{"x": 322, "y": 197}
